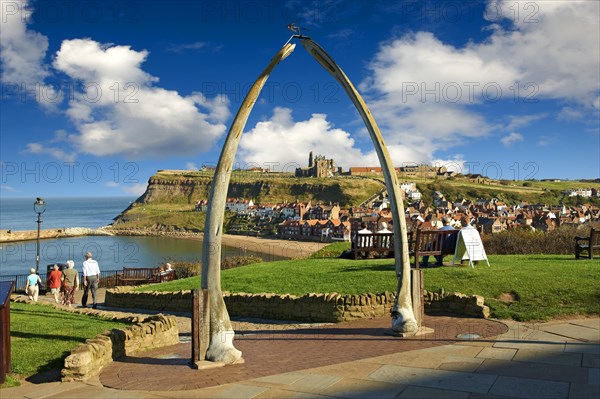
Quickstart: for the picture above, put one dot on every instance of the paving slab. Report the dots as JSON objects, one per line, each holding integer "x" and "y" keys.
{"x": 356, "y": 369}
{"x": 529, "y": 388}
{"x": 314, "y": 383}
{"x": 441, "y": 379}
{"x": 281, "y": 379}
{"x": 497, "y": 353}
{"x": 533, "y": 335}
{"x": 283, "y": 394}
{"x": 488, "y": 396}
{"x": 594, "y": 376}
{"x": 458, "y": 363}
{"x": 581, "y": 333}
{"x": 591, "y": 323}
{"x": 534, "y": 345}
{"x": 239, "y": 391}
{"x": 360, "y": 389}
{"x": 583, "y": 391}
{"x": 578, "y": 347}
{"x": 431, "y": 393}
{"x": 548, "y": 372}
{"x": 590, "y": 360}
{"x": 429, "y": 357}
{"x": 547, "y": 357}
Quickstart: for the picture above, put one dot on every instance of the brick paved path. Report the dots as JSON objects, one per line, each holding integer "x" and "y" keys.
{"x": 272, "y": 351}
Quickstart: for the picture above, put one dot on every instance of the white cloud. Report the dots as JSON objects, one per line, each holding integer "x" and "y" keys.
{"x": 545, "y": 141}
{"x": 22, "y": 52}
{"x": 341, "y": 35}
{"x": 456, "y": 164}
{"x": 191, "y": 166}
{"x": 42, "y": 149}
{"x": 123, "y": 113}
{"x": 294, "y": 140}
{"x": 9, "y": 189}
{"x": 183, "y": 48}
{"x": 297, "y": 138}
{"x": 135, "y": 189}
{"x": 554, "y": 44}
{"x": 511, "y": 139}
{"x": 570, "y": 114}
{"x": 517, "y": 121}
{"x": 424, "y": 89}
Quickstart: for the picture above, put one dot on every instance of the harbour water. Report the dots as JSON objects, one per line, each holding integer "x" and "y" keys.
{"x": 112, "y": 252}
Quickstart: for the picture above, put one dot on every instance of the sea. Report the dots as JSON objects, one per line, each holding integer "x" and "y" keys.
{"x": 111, "y": 252}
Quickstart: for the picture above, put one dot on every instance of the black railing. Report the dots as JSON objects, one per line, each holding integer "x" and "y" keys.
{"x": 108, "y": 279}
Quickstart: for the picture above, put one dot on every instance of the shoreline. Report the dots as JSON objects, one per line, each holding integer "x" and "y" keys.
{"x": 267, "y": 246}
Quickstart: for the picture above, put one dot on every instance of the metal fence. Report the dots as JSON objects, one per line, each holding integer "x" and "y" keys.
{"x": 108, "y": 279}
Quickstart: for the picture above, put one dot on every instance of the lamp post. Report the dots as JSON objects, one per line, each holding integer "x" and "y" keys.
{"x": 39, "y": 206}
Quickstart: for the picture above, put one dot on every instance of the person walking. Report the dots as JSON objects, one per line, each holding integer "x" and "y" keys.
{"x": 31, "y": 286}
{"x": 70, "y": 283}
{"x": 91, "y": 278}
{"x": 54, "y": 282}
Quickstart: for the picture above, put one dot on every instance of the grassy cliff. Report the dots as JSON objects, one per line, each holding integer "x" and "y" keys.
{"x": 187, "y": 187}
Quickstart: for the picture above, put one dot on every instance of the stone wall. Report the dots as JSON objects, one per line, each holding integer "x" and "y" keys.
{"x": 310, "y": 307}
{"x": 88, "y": 359}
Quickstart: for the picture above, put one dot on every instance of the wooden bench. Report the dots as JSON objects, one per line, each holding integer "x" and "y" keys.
{"x": 425, "y": 242}
{"x": 587, "y": 244}
{"x": 143, "y": 275}
{"x": 434, "y": 243}
{"x": 378, "y": 243}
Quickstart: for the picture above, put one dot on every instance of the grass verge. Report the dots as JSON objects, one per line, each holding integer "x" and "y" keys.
{"x": 521, "y": 287}
{"x": 42, "y": 337}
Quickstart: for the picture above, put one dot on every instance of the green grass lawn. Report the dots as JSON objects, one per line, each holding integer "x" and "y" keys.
{"x": 42, "y": 337}
{"x": 544, "y": 286}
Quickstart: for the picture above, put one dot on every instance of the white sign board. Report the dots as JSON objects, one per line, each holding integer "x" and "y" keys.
{"x": 469, "y": 246}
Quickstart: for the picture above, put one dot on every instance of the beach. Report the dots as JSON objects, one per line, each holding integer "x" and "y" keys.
{"x": 282, "y": 248}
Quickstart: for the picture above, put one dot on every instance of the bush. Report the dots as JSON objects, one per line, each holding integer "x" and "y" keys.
{"x": 185, "y": 269}
{"x": 524, "y": 241}
{"x": 237, "y": 261}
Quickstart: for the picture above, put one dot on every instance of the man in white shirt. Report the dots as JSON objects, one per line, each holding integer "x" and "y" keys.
{"x": 91, "y": 278}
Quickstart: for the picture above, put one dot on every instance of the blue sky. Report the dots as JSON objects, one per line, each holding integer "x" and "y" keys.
{"x": 98, "y": 95}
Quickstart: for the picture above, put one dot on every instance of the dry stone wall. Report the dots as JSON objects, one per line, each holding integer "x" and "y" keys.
{"x": 312, "y": 307}
{"x": 88, "y": 359}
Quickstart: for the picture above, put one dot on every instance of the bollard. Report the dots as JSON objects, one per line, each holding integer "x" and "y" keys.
{"x": 6, "y": 289}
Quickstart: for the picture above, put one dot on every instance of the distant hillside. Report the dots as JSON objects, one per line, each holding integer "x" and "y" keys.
{"x": 168, "y": 203}
{"x": 169, "y": 200}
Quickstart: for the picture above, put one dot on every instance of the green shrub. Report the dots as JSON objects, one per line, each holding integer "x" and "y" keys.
{"x": 185, "y": 269}
{"x": 523, "y": 241}
{"x": 237, "y": 261}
